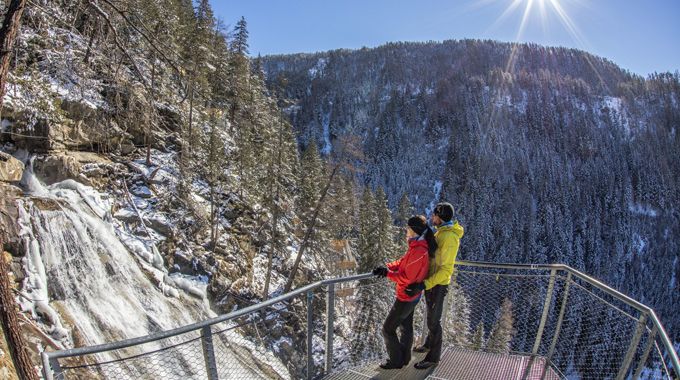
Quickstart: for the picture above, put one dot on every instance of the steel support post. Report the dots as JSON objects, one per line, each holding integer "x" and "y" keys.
{"x": 47, "y": 366}
{"x": 330, "y": 314}
{"x": 558, "y": 328}
{"x": 209, "y": 353}
{"x": 645, "y": 354}
{"x": 310, "y": 352}
{"x": 628, "y": 359}
{"x": 546, "y": 309}
{"x": 57, "y": 373}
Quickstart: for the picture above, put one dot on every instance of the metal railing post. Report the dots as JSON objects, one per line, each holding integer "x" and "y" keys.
{"x": 546, "y": 309}
{"x": 57, "y": 372}
{"x": 209, "y": 353}
{"x": 424, "y": 330}
{"x": 330, "y": 314}
{"x": 310, "y": 353}
{"x": 628, "y": 359}
{"x": 558, "y": 328}
{"x": 645, "y": 354}
{"x": 47, "y": 366}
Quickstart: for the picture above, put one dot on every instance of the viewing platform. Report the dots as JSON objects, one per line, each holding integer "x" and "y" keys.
{"x": 500, "y": 321}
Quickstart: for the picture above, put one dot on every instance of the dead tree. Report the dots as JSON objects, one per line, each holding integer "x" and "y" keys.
{"x": 10, "y": 325}
{"x": 8, "y": 35}
{"x": 309, "y": 232}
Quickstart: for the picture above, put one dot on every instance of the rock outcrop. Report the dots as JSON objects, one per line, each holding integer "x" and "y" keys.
{"x": 11, "y": 169}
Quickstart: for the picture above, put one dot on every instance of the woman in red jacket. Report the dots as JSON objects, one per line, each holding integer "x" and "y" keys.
{"x": 411, "y": 268}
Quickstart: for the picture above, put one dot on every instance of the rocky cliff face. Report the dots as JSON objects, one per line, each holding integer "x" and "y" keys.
{"x": 107, "y": 203}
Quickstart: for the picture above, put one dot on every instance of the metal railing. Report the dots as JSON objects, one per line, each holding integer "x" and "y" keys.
{"x": 582, "y": 327}
{"x": 574, "y": 325}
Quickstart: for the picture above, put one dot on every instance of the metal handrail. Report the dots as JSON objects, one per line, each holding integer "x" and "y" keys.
{"x": 199, "y": 325}
{"x": 50, "y": 357}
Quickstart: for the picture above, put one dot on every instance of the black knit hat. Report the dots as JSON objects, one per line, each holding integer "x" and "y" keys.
{"x": 444, "y": 211}
{"x": 418, "y": 224}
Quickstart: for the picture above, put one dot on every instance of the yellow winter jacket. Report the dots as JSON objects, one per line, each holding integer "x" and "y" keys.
{"x": 441, "y": 268}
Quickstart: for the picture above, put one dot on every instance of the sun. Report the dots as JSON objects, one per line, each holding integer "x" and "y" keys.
{"x": 537, "y": 11}
{"x": 533, "y": 11}
{"x": 542, "y": 8}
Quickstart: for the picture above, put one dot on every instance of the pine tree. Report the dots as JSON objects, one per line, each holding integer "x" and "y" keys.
{"x": 311, "y": 181}
{"x": 370, "y": 302}
{"x": 457, "y": 327}
{"x": 214, "y": 164}
{"x": 385, "y": 231}
{"x": 342, "y": 209}
{"x": 478, "y": 338}
{"x": 240, "y": 43}
{"x": 404, "y": 211}
{"x": 367, "y": 245}
{"x": 239, "y": 67}
{"x": 502, "y": 331}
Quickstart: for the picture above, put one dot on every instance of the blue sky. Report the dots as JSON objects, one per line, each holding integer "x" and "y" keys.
{"x": 638, "y": 35}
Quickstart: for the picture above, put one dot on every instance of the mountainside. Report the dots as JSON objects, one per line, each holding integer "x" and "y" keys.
{"x": 548, "y": 154}
{"x": 161, "y": 183}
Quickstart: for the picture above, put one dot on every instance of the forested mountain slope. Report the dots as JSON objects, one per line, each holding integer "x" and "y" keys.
{"x": 549, "y": 154}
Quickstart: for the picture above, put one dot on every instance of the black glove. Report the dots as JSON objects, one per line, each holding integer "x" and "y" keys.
{"x": 414, "y": 289}
{"x": 380, "y": 271}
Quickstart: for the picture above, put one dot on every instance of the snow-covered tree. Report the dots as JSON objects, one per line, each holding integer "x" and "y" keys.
{"x": 457, "y": 326}
{"x": 478, "y": 337}
{"x": 502, "y": 331}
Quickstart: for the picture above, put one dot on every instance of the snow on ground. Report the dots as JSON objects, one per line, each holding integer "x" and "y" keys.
{"x": 437, "y": 189}
{"x": 642, "y": 209}
{"x": 318, "y": 67}
{"x": 326, "y": 120}
{"x": 613, "y": 103}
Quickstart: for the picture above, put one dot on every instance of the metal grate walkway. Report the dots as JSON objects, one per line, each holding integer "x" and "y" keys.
{"x": 458, "y": 364}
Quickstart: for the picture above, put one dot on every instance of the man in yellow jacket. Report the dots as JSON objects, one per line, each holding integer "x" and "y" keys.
{"x": 436, "y": 284}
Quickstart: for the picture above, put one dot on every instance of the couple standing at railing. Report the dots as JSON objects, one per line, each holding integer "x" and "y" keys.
{"x": 427, "y": 265}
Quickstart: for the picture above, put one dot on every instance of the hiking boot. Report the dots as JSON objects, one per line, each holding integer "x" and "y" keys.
{"x": 424, "y": 364}
{"x": 421, "y": 349}
{"x": 389, "y": 365}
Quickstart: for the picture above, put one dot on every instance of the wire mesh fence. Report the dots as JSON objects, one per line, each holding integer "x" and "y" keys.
{"x": 547, "y": 322}
{"x": 577, "y": 329}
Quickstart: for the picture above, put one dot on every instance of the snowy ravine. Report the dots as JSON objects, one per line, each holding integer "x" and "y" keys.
{"x": 100, "y": 291}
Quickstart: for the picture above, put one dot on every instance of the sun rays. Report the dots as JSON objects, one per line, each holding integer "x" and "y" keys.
{"x": 537, "y": 11}
{"x": 528, "y": 13}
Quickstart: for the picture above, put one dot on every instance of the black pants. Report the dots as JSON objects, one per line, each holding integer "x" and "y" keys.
{"x": 401, "y": 314}
{"x": 434, "y": 298}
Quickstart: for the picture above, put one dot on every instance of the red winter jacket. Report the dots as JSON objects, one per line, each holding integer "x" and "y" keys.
{"x": 412, "y": 267}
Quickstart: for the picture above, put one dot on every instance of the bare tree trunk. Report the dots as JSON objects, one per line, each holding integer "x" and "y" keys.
{"x": 275, "y": 219}
{"x": 10, "y": 325}
{"x": 309, "y": 232}
{"x": 88, "y": 51}
{"x": 114, "y": 33}
{"x": 152, "y": 102}
{"x": 191, "y": 112}
{"x": 213, "y": 216}
{"x": 8, "y": 34}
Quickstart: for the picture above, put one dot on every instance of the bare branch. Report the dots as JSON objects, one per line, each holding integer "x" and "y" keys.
{"x": 113, "y": 30}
